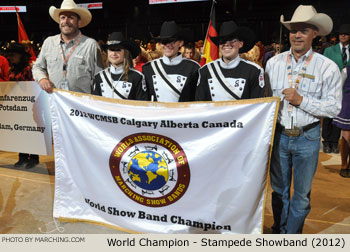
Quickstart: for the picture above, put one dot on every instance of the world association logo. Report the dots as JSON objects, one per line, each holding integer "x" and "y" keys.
{"x": 150, "y": 169}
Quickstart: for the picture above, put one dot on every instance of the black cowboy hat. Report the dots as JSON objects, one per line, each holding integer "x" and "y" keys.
{"x": 229, "y": 30}
{"x": 170, "y": 30}
{"x": 117, "y": 40}
{"x": 17, "y": 48}
{"x": 344, "y": 29}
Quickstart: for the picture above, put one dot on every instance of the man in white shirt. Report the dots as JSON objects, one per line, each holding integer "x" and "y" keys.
{"x": 309, "y": 86}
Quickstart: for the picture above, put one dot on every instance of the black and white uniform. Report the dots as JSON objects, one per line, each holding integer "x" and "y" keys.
{"x": 171, "y": 80}
{"x": 110, "y": 82}
{"x": 239, "y": 79}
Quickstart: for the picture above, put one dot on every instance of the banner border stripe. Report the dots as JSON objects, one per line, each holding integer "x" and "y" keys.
{"x": 75, "y": 220}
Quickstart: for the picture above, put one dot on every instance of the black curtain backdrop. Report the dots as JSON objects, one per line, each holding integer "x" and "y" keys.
{"x": 138, "y": 19}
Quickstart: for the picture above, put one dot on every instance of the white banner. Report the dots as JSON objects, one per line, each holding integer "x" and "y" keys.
{"x": 162, "y": 167}
{"x": 97, "y": 5}
{"x": 173, "y": 1}
{"x": 25, "y": 124}
{"x": 13, "y": 8}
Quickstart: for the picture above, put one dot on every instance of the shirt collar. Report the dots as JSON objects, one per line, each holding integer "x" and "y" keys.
{"x": 117, "y": 70}
{"x": 341, "y": 46}
{"x": 61, "y": 41}
{"x": 175, "y": 61}
{"x": 302, "y": 58}
{"x": 232, "y": 64}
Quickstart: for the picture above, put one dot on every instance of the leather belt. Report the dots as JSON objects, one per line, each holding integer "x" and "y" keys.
{"x": 296, "y": 131}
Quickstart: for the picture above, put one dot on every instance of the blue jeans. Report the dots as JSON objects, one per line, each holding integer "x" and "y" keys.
{"x": 297, "y": 157}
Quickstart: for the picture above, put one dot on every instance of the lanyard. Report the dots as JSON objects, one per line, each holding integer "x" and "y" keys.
{"x": 301, "y": 73}
{"x": 66, "y": 58}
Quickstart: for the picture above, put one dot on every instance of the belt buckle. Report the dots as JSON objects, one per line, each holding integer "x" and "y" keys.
{"x": 292, "y": 132}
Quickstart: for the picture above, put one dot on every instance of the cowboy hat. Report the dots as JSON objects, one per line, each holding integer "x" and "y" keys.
{"x": 170, "y": 30}
{"x": 69, "y": 5}
{"x": 229, "y": 30}
{"x": 117, "y": 40}
{"x": 344, "y": 29}
{"x": 308, "y": 14}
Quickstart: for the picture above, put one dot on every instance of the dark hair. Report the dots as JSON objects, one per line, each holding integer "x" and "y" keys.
{"x": 21, "y": 65}
{"x": 189, "y": 45}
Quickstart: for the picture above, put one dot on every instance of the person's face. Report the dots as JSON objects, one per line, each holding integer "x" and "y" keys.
{"x": 344, "y": 38}
{"x": 115, "y": 56}
{"x": 230, "y": 49}
{"x": 69, "y": 23}
{"x": 15, "y": 58}
{"x": 149, "y": 47}
{"x": 171, "y": 48}
{"x": 188, "y": 53}
{"x": 300, "y": 37}
{"x": 333, "y": 40}
{"x": 277, "y": 47}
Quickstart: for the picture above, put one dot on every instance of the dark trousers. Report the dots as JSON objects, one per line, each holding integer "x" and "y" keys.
{"x": 330, "y": 132}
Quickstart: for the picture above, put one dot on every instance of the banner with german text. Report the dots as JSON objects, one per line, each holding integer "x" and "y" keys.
{"x": 25, "y": 124}
{"x": 162, "y": 167}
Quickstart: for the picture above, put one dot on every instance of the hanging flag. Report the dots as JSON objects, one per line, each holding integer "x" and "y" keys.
{"x": 22, "y": 35}
{"x": 162, "y": 167}
{"x": 210, "y": 50}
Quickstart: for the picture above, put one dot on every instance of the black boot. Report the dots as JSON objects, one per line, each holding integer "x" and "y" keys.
{"x": 33, "y": 161}
{"x": 23, "y": 158}
{"x": 326, "y": 147}
{"x": 21, "y": 162}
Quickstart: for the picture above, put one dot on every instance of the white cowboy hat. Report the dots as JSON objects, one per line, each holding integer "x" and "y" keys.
{"x": 69, "y": 5}
{"x": 308, "y": 14}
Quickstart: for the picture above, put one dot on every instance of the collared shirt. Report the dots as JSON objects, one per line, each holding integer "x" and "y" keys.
{"x": 232, "y": 64}
{"x": 320, "y": 87}
{"x": 346, "y": 51}
{"x": 174, "y": 61}
{"x": 83, "y": 64}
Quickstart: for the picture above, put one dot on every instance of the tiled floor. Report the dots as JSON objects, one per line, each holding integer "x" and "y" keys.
{"x": 26, "y": 200}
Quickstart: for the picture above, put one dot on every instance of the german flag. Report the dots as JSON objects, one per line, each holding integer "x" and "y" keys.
{"x": 210, "y": 50}
{"x": 22, "y": 35}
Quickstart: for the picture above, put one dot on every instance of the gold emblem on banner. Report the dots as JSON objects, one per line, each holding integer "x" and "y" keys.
{"x": 150, "y": 169}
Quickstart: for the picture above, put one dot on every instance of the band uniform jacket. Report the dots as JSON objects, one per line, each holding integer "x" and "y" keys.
{"x": 133, "y": 89}
{"x": 242, "y": 80}
{"x": 183, "y": 76}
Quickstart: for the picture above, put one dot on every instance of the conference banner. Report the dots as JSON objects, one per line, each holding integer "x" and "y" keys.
{"x": 148, "y": 167}
{"x": 25, "y": 124}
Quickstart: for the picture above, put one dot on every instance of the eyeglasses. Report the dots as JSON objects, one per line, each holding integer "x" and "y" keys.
{"x": 229, "y": 42}
{"x": 168, "y": 41}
